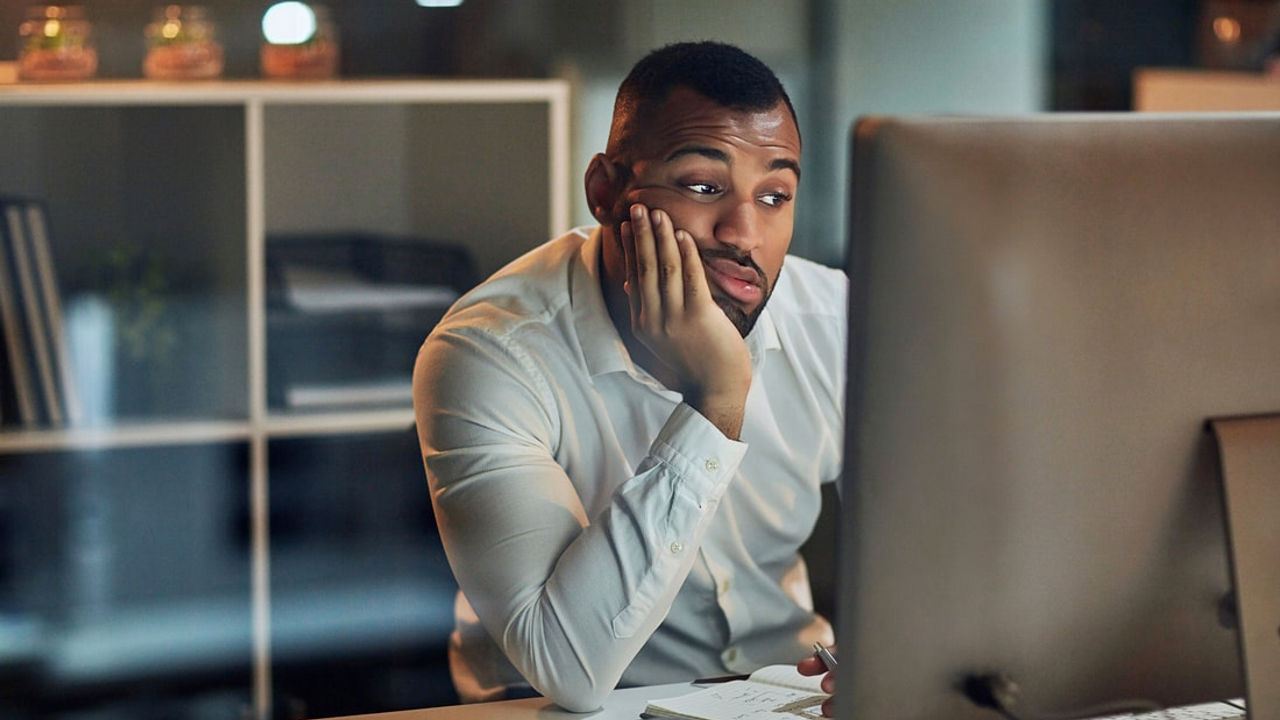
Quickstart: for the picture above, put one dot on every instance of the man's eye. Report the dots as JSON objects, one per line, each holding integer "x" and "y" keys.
{"x": 775, "y": 199}
{"x": 703, "y": 188}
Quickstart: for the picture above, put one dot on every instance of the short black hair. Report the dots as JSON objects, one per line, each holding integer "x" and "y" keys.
{"x": 718, "y": 71}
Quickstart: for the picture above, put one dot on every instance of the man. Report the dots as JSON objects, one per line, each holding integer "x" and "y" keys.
{"x": 625, "y": 447}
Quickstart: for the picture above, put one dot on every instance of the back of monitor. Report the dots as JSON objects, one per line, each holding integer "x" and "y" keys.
{"x": 1044, "y": 313}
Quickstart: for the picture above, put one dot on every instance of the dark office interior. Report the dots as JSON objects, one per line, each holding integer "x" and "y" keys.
{"x": 114, "y": 539}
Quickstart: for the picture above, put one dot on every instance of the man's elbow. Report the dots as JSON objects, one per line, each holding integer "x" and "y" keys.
{"x": 576, "y": 690}
{"x": 539, "y": 647}
{"x": 579, "y": 697}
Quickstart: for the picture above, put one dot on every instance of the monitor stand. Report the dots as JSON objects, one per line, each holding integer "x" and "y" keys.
{"x": 1249, "y": 456}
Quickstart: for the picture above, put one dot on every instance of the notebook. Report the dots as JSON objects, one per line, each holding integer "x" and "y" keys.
{"x": 776, "y": 692}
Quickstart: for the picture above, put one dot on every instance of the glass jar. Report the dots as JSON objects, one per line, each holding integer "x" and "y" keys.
{"x": 182, "y": 44}
{"x": 56, "y": 43}
{"x": 301, "y": 42}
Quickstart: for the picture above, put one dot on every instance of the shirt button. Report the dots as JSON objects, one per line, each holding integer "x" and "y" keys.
{"x": 713, "y": 465}
{"x": 677, "y": 547}
{"x": 724, "y": 586}
{"x": 731, "y": 654}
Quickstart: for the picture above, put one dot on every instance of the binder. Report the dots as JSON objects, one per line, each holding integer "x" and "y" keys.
{"x": 19, "y": 381}
{"x": 33, "y": 314}
{"x": 51, "y": 301}
{"x": 38, "y": 384}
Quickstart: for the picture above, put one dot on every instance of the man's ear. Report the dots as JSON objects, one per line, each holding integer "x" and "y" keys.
{"x": 602, "y": 185}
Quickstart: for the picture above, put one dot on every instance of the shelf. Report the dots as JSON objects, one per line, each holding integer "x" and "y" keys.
{"x": 154, "y": 433}
{"x": 192, "y": 432}
{"x": 188, "y": 486}
{"x": 311, "y": 424}
{"x": 135, "y": 643}
{"x": 232, "y": 92}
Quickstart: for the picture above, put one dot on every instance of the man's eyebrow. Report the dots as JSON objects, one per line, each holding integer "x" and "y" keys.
{"x": 720, "y": 156}
{"x": 786, "y": 164}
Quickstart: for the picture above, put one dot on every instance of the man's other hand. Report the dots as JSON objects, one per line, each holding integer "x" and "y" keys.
{"x": 812, "y": 665}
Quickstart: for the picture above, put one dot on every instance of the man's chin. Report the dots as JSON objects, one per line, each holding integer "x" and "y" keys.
{"x": 740, "y": 318}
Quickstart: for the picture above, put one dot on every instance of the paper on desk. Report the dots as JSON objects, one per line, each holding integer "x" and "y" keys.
{"x": 740, "y": 700}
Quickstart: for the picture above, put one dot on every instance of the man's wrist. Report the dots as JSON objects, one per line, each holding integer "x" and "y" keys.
{"x": 725, "y": 411}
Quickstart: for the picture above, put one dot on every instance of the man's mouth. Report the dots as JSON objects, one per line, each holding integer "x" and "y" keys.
{"x": 742, "y": 283}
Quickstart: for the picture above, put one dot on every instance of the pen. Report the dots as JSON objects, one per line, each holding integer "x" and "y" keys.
{"x": 825, "y": 656}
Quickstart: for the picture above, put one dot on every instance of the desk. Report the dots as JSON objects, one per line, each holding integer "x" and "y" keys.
{"x": 625, "y": 704}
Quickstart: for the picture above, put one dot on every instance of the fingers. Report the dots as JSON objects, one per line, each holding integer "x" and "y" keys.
{"x": 695, "y": 279}
{"x": 811, "y": 665}
{"x": 632, "y": 284}
{"x": 814, "y": 665}
{"x": 669, "y": 263}
{"x": 657, "y": 265}
{"x": 828, "y": 686}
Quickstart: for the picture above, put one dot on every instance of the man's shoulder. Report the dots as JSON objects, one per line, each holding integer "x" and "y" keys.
{"x": 549, "y": 257}
{"x": 532, "y": 288}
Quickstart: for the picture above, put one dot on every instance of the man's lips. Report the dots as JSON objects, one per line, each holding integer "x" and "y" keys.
{"x": 740, "y": 282}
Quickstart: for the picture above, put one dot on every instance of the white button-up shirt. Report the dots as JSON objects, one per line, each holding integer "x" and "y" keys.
{"x": 602, "y": 532}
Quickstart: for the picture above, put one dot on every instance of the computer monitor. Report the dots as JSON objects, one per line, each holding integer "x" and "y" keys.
{"x": 1044, "y": 312}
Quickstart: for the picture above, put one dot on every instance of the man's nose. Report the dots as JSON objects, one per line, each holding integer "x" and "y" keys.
{"x": 738, "y": 225}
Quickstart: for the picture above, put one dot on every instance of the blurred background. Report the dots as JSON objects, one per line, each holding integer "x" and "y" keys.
{"x": 369, "y": 603}
{"x": 839, "y": 58}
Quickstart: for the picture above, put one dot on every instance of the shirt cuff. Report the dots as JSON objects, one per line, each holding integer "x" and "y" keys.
{"x": 697, "y": 450}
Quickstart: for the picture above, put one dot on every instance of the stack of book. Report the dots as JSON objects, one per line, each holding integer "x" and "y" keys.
{"x": 36, "y": 382}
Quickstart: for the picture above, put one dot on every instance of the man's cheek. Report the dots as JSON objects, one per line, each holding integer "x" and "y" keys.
{"x": 669, "y": 201}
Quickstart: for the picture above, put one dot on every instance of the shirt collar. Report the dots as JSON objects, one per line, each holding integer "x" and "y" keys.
{"x": 602, "y": 347}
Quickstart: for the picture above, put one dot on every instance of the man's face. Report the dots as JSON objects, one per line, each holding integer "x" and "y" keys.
{"x": 729, "y": 178}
